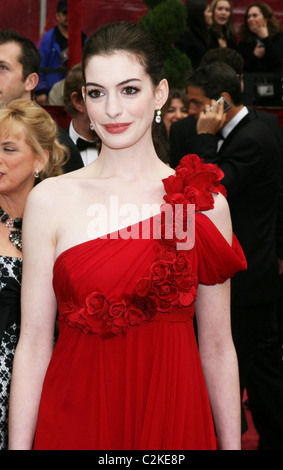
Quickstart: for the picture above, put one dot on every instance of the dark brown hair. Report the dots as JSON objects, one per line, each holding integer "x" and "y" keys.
{"x": 73, "y": 82}
{"x": 126, "y": 37}
{"x": 273, "y": 25}
{"x": 132, "y": 39}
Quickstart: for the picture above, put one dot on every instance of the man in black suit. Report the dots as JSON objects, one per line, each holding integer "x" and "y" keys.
{"x": 251, "y": 159}
{"x": 79, "y": 127}
{"x": 182, "y": 130}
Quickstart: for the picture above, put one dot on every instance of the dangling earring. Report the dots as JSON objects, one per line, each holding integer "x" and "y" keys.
{"x": 158, "y": 116}
{"x": 91, "y": 126}
{"x": 36, "y": 174}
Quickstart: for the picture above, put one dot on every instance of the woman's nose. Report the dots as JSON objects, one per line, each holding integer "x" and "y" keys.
{"x": 113, "y": 106}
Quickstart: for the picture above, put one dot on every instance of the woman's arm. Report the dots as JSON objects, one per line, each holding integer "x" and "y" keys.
{"x": 37, "y": 322}
{"x": 217, "y": 352}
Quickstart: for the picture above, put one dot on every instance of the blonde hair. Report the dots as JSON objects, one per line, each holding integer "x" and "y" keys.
{"x": 41, "y": 133}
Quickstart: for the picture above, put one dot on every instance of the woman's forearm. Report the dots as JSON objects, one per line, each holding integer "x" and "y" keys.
{"x": 222, "y": 380}
{"x": 30, "y": 364}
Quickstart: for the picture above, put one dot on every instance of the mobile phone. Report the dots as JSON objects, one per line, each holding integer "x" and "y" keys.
{"x": 226, "y": 104}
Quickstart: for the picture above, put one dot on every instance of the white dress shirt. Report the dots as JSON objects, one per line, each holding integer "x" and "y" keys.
{"x": 88, "y": 155}
{"x": 231, "y": 124}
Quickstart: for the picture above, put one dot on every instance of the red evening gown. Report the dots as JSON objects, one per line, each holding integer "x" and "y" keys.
{"x": 125, "y": 372}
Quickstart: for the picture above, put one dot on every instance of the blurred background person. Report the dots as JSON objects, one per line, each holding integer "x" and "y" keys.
{"x": 195, "y": 40}
{"x": 29, "y": 152}
{"x": 230, "y": 57}
{"x": 175, "y": 109}
{"x": 20, "y": 64}
{"x": 79, "y": 128}
{"x": 19, "y": 78}
{"x": 53, "y": 49}
{"x": 222, "y": 31}
{"x": 261, "y": 43}
{"x": 55, "y": 97}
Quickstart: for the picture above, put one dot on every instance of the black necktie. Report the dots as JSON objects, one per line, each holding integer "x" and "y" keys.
{"x": 83, "y": 144}
{"x": 219, "y": 135}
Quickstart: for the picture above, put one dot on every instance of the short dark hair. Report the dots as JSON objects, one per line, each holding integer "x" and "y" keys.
{"x": 215, "y": 78}
{"x": 30, "y": 56}
{"x": 73, "y": 82}
{"x": 227, "y": 55}
{"x": 273, "y": 24}
{"x": 62, "y": 6}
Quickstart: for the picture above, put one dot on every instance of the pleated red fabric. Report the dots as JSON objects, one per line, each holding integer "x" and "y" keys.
{"x": 125, "y": 373}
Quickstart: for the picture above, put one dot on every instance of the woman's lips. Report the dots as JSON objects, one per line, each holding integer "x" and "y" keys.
{"x": 117, "y": 128}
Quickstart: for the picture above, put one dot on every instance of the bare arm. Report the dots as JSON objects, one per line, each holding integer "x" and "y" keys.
{"x": 37, "y": 323}
{"x": 217, "y": 352}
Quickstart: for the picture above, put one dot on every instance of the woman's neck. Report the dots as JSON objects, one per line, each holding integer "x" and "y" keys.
{"x": 13, "y": 205}
{"x": 129, "y": 164}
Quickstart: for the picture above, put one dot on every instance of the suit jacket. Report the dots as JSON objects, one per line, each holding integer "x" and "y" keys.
{"x": 182, "y": 131}
{"x": 250, "y": 158}
{"x": 75, "y": 160}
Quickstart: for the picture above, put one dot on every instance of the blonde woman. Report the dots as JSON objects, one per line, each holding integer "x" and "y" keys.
{"x": 29, "y": 152}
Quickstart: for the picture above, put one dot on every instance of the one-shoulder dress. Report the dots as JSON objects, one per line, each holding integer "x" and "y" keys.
{"x": 125, "y": 373}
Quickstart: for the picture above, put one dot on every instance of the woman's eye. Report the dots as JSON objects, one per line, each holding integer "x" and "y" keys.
{"x": 130, "y": 90}
{"x": 95, "y": 93}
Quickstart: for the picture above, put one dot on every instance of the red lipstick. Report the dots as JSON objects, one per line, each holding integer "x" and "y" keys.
{"x": 117, "y": 128}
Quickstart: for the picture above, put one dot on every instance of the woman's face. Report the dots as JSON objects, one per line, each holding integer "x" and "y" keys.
{"x": 208, "y": 16}
{"x": 176, "y": 111}
{"x": 17, "y": 162}
{"x": 222, "y": 12}
{"x": 120, "y": 99}
{"x": 255, "y": 19}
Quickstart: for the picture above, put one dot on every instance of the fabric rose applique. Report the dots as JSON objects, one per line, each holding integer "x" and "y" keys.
{"x": 170, "y": 282}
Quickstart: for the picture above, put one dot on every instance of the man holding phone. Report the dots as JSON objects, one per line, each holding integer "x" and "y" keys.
{"x": 209, "y": 113}
{"x": 251, "y": 159}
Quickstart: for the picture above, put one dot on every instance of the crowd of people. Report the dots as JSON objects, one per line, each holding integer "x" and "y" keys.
{"x": 259, "y": 39}
{"x": 158, "y": 337}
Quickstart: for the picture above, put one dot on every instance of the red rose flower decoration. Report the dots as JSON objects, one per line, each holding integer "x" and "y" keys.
{"x": 169, "y": 283}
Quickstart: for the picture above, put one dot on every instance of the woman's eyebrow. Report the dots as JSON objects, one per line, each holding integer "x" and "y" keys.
{"x": 124, "y": 82}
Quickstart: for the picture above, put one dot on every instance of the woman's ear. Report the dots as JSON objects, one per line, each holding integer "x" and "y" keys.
{"x": 41, "y": 162}
{"x": 161, "y": 93}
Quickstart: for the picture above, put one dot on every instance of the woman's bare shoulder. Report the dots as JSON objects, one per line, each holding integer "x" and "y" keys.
{"x": 220, "y": 216}
{"x": 49, "y": 193}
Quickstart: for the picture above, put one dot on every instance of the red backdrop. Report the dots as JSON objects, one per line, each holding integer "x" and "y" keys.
{"x": 24, "y": 15}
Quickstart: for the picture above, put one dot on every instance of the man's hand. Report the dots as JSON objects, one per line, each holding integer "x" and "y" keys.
{"x": 212, "y": 119}
{"x": 259, "y": 28}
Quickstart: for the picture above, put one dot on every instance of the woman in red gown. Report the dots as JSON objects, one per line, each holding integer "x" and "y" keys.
{"x": 127, "y": 262}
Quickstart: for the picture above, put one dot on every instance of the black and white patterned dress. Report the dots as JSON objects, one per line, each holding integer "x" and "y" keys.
{"x": 10, "y": 288}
